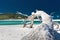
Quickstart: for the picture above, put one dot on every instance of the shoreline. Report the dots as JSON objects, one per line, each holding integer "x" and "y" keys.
{"x": 23, "y": 20}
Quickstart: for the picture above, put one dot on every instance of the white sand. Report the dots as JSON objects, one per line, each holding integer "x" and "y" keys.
{"x": 13, "y": 32}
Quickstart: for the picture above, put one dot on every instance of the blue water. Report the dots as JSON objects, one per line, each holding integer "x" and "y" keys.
{"x": 19, "y": 22}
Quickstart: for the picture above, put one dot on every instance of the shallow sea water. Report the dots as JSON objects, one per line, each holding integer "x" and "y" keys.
{"x": 18, "y": 22}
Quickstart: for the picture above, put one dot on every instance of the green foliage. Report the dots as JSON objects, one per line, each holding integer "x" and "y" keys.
{"x": 12, "y": 16}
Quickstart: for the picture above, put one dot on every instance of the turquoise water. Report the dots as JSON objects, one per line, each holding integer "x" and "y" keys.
{"x": 17, "y": 22}
{"x": 58, "y": 22}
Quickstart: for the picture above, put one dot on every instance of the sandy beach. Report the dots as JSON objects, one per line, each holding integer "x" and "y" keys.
{"x": 43, "y": 31}
{"x": 13, "y": 32}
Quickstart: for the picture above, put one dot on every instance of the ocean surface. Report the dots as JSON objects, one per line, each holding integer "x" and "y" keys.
{"x": 18, "y": 22}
